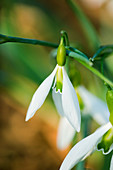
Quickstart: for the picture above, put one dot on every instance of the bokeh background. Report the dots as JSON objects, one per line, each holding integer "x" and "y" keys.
{"x": 32, "y": 145}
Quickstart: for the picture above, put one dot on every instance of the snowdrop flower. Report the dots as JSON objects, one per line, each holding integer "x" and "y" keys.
{"x": 93, "y": 106}
{"x": 64, "y": 94}
{"x": 88, "y": 145}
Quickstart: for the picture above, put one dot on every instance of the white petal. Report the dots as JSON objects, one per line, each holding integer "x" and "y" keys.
{"x": 58, "y": 101}
{"x": 94, "y": 106}
{"x": 40, "y": 95}
{"x": 65, "y": 133}
{"x": 70, "y": 103}
{"x": 84, "y": 147}
{"x": 111, "y": 165}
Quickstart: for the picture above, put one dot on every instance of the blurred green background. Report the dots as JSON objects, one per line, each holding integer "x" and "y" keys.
{"x": 32, "y": 145}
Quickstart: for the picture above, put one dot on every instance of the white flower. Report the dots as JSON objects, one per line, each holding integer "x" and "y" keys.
{"x": 85, "y": 147}
{"x": 67, "y": 99}
{"x": 93, "y": 106}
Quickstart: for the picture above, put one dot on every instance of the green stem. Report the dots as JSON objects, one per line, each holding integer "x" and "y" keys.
{"x": 64, "y": 34}
{"x": 5, "y": 39}
{"x": 101, "y": 49}
{"x": 84, "y": 61}
{"x": 79, "y": 57}
{"x": 102, "y": 66}
{"x": 76, "y": 51}
{"x": 92, "y": 69}
{"x": 97, "y": 73}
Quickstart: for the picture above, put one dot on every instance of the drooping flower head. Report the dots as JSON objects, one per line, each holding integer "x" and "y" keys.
{"x": 63, "y": 92}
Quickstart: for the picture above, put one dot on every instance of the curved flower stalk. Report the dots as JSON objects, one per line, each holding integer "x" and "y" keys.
{"x": 93, "y": 106}
{"x": 86, "y": 146}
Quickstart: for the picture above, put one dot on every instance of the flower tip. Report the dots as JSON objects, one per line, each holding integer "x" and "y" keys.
{"x": 78, "y": 129}
{"x": 27, "y": 118}
{"x": 77, "y": 125}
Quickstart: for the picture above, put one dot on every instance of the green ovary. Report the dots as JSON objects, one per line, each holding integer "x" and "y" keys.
{"x": 61, "y": 54}
{"x": 106, "y": 141}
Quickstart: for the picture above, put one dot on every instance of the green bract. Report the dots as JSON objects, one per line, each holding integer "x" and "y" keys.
{"x": 106, "y": 141}
{"x": 61, "y": 54}
{"x": 109, "y": 99}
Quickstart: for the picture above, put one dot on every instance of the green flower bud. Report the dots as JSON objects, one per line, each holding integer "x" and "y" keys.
{"x": 61, "y": 54}
{"x": 106, "y": 141}
{"x": 59, "y": 79}
{"x": 109, "y": 99}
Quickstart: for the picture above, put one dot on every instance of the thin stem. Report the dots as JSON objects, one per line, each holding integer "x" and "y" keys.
{"x": 92, "y": 69}
{"x": 97, "y": 73}
{"x": 76, "y": 51}
{"x": 64, "y": 34}
{"x": 102, "y": 66}
{"x": 79, "y": 57}
{"x": 101, "y": 49}
{"x": 84, "y": 61}
{"x": 5, "y": 39}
